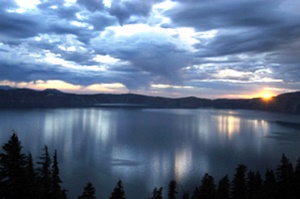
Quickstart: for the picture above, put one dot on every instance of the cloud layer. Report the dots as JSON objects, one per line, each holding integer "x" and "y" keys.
{"x": 172, "y": 48}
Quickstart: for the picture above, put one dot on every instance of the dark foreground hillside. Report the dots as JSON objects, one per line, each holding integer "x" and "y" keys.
{"x": 51, "y": 98}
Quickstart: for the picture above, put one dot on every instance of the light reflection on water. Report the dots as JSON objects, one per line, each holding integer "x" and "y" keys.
{"x": 148, "y": 148}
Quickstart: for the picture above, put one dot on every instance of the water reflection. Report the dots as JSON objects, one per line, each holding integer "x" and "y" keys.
{"x": 228, "y": 125}
{"x": 183, "y": 162}
{"x": 148, "y": 148}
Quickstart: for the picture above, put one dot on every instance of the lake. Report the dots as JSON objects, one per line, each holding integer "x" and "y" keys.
{"x": 147, "y": 148}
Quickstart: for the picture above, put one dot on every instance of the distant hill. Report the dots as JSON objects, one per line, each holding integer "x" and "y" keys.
{"x": 52, "y": 98}
{"x": 6, "y": 87}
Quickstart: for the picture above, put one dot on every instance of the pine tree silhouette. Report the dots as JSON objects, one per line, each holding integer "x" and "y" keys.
{"x": 269, "y": 185}
{"x": 223, "y": 191}
{"x": 296, "y": 181}
{"x": 284, "y": 174}
{"x": 157, "y": 193}
{"x": 44, "y": 174}
{"x": 118, "y": 192}
{"x": 172, "y": 191}
{"x": 88, "y": 192}
{"x": 208, "y": 187}
{"x": 12, "y": 169}
{"x": 31, "y": 177}
{"x": 56, "y": 181}
{"x": 239, "y": 188}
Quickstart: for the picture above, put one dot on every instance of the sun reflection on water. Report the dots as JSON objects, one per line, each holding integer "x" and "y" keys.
{"x": 183, "y": 162}
{"x": 228, "y": 125}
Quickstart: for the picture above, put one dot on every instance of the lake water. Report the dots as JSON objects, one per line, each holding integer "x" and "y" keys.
{"x": 147, "y": 148}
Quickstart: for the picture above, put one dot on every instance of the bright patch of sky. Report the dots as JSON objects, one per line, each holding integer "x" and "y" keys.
{"x": 28, "y": 4}
{"x": 107, "y": 3}
{"x": 106, "y": 59}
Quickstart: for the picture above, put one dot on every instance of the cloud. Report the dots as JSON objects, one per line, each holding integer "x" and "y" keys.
{"x": 123, "y": 10}
{"x": 154, "y": 53}
{"x": 100, "y": 21}
{"x": 208, "y": 46}
{"x": 91, "y": 5}
{"x": 7, "y": 4}
{"x": 15, "y": 26}
{"x": 215, "y": 14}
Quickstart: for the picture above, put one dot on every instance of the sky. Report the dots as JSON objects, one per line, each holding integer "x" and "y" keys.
{"x": 171, "y": 48}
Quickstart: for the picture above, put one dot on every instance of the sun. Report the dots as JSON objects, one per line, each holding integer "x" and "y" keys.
{"x": 266, "y": 96}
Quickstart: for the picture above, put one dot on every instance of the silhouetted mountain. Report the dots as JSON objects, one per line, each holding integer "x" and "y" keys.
{"x": 6, "y": 87}
{"x": 52, "y": 98}
{"x": 52, "y": 90}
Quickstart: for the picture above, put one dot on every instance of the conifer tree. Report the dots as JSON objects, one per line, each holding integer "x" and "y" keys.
{"x": 56, "y": 181}
{"x": 239, "y": 188}
{"x": 284, "y": 174}
{"x": 207, "y": 188}
{"x": 186, "y": 195}
{"x": 297, "y": 179}
{"x": 269, "y": 185}
{"x": 12, "y": 169}
{"x": 118, "y": 192}
{"x": 44, "y": 174}
{"x": 88, "y": 192}
{"x": 157, "y": 193}
{"x": 253, "y": 184}
{"x": 172, "y": 191}
{"x": 31, "y": 181}
{"x": 196, "y": 193}
{"x": 223, "y": 191}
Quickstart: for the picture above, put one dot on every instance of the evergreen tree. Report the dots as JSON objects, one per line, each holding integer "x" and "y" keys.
{"x": 31, "y": 182}
{"x": 88, "y": 192}
{"x": 196, "y": 193}
{"x": 157, "y": 193}
{"x": 254, "y": 184}
{"x": 56, "y": 181}
{"x": 269, "y": 185}
{"x": 118, "y": 192}
{"x": 297, "y": 179}
{"x": 258, "y": 186}
{"x": 207, "y": 188}
{"x": 284, "y": 176}
{"x": 172, "y": 191}
{"x": 239, "y": 188}
{"x": 12, "y": 169}
{"x": 223, "y": 191}
{"x": 186, "y": 195}
{"x": 44, "y": 174}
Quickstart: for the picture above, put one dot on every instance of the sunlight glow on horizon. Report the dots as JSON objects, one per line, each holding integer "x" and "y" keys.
{"x": 67, "y": 87}
{"x": 267, "y": 96}
{"x": 163, "y": 90}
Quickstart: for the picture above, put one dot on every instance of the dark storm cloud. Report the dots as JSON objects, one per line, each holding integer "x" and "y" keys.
{"x": 64, "y": 27}
{"x": 60, "y": 11}
{"x": 100, "y": 21}
{"x": 19, "y": 25}
{"x": 27, "y": 72}
{"x": 215, "y": 14}
{"x": 255, "y": 40}
{"x": 123, "y": 10}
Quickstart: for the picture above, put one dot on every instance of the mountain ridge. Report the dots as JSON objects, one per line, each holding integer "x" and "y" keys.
{"x": 52, "y": 98}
